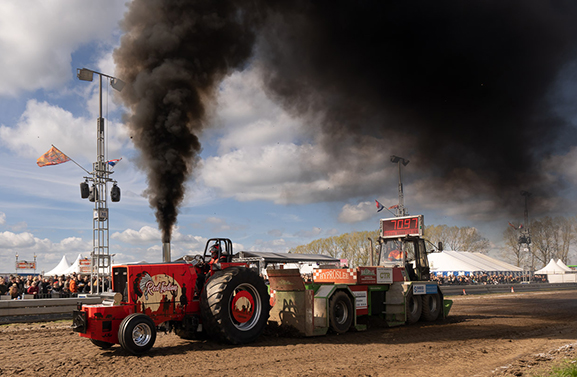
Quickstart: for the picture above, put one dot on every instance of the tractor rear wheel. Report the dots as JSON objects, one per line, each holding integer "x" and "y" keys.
{"x": 431, "y": 307}
{"x": 340, "y": 312}
{"x": 414, "y": 307}
{"x": 234, "y": 305}
{"x": 102, "y": 344}
{"x": 137, "y": 333}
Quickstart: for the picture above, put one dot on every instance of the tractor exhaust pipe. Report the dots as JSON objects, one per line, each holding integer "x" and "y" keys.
{"x": 166, "y": 252}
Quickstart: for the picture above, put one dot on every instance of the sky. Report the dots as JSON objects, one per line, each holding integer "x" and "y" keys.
{"x": 264, "y": 178}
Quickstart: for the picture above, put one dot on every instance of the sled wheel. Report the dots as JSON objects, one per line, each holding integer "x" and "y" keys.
{"x": 234, "y": 305}
{"x": 102, "y": 344}
{"x": 414, "y": 307}
{"x": 340, "y": 312}
{"x": 137, "y": 333}
{"x": 431, "y": 307}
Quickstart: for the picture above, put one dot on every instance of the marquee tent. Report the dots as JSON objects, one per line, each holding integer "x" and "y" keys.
{"x": 60, "y": 268}
{"x": 563, "y": 265}
{"x": 451, "y": 262}
{"x": 551, "y": 268}
{"x": 75, "y": 267}
{"x": 558, "y": 272}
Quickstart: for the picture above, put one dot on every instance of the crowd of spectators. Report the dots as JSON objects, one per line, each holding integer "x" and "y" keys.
{"x": 487, "y": 279}
{"x": 17, "y": 286}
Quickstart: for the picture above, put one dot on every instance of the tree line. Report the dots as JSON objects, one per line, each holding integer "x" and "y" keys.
{"x": 551, "y": 238}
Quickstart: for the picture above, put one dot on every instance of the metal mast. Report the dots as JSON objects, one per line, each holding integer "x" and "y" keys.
{"x": 525, "y": 236}
{"x": 98, "y": 193}
{"x": 401, "y": 210}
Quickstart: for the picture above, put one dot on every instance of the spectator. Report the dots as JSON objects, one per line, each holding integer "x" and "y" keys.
{"x": 73, "y": 284}
{"x": 3, "y": 286}
{"x": 86, "y": 284}
{"x": 14, "y": 291}
{"x": 33, "y": 289}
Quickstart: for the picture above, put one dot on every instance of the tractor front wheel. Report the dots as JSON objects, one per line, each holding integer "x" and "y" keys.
{"x": 414, "y": 307}
{"x": 234, "y": 305}
{"x": 137, "y": 333}
{"x": 431, "y": 307}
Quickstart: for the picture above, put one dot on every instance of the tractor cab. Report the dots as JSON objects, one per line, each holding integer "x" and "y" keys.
{"x": 402, "y": 245}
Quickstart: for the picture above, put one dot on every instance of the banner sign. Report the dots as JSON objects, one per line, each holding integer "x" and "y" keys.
{"x": 84, "y": 265}
{"x": 23, "y": 265}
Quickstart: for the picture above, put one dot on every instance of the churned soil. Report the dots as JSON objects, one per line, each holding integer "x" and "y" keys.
{"x": 516, "y": 334}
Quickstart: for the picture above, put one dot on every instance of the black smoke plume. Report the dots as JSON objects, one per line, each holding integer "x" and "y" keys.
{"x": 173, "y": 54}
{"x": 463, "y": 86}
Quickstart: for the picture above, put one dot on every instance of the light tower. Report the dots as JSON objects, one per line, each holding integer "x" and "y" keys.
{"x": 401, "y": 210}
{"x": 525, "y": 236}
{"x": 97, "y": 193}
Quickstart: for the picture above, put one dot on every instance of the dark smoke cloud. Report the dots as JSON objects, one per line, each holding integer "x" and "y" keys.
{"x": 464, "y": 83}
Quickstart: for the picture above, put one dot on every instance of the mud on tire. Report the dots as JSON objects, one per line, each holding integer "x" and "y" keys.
{"x": 234, "y": 305}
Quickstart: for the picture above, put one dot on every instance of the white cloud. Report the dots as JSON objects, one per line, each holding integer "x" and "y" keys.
{"x": 146, "y": 234}
{"x": 37, "y": 39}
{"x": 42, "y": 124}
{"x": 355, "y": 213}
{"x": 2, "y": 218}
{"x": 264, "y": 154}
{"x": 11, "y": 240}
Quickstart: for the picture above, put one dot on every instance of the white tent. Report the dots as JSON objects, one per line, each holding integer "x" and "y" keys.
{"x": 451, "y": 262}
{"x": 563, "y": 266}
{"x": 552, "y": 268}
{"x": 60, "y": 268}
{"x": 75, "y": 267}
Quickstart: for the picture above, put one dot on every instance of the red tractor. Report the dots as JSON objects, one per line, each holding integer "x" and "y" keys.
{"x": 208, "y": 295}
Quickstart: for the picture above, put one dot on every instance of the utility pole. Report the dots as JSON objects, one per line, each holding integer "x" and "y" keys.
{"x": 401, "y": 210}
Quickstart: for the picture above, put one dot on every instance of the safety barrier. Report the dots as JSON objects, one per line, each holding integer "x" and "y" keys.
{"x": 456, "y": 290}
{"x": 42, "y": 309}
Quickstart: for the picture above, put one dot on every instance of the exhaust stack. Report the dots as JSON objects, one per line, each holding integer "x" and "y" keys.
{"x": 166, "y": 252}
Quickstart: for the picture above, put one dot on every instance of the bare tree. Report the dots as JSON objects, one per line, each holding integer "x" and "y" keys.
{"x": 552, "y": 238}
{"x": 512, "y": 247}
{"x": 458, "y": 238}
{"x": 354, "y": 247}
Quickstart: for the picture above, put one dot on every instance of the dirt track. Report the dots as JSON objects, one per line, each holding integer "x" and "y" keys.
{"x": 510, "y": 334}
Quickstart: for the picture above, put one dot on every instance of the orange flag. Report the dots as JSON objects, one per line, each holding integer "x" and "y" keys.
{"x": 53, "y": 157}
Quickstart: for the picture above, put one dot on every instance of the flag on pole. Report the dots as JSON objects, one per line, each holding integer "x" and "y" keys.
{"x": 113, "y": 162}
{"x": 380, "y": 207}
{"x": 53, "y": 157}
{"x": 393, "y": 207}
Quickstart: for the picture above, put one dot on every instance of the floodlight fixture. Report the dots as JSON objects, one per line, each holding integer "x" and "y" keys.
{"x": 117, "y": 83}
{"x": 396, "y": 159}
{"x": 84, "y": 74}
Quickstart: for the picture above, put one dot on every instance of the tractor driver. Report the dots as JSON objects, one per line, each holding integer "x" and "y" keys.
{"x": 214, "y": 251}
{"x": 204, "y": 268}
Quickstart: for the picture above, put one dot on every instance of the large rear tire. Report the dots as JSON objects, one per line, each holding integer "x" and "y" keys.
{"x": 137, "y": 333}
{"x": 234, "y": 305}
{"x": 414, "y": 307}
{"x": 431, "y": 307}
{"x": 340, "y": 312}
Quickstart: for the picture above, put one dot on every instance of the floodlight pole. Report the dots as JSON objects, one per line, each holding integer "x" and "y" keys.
{"x": 100, "y": 176}
{"x": 401, "y": 210}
